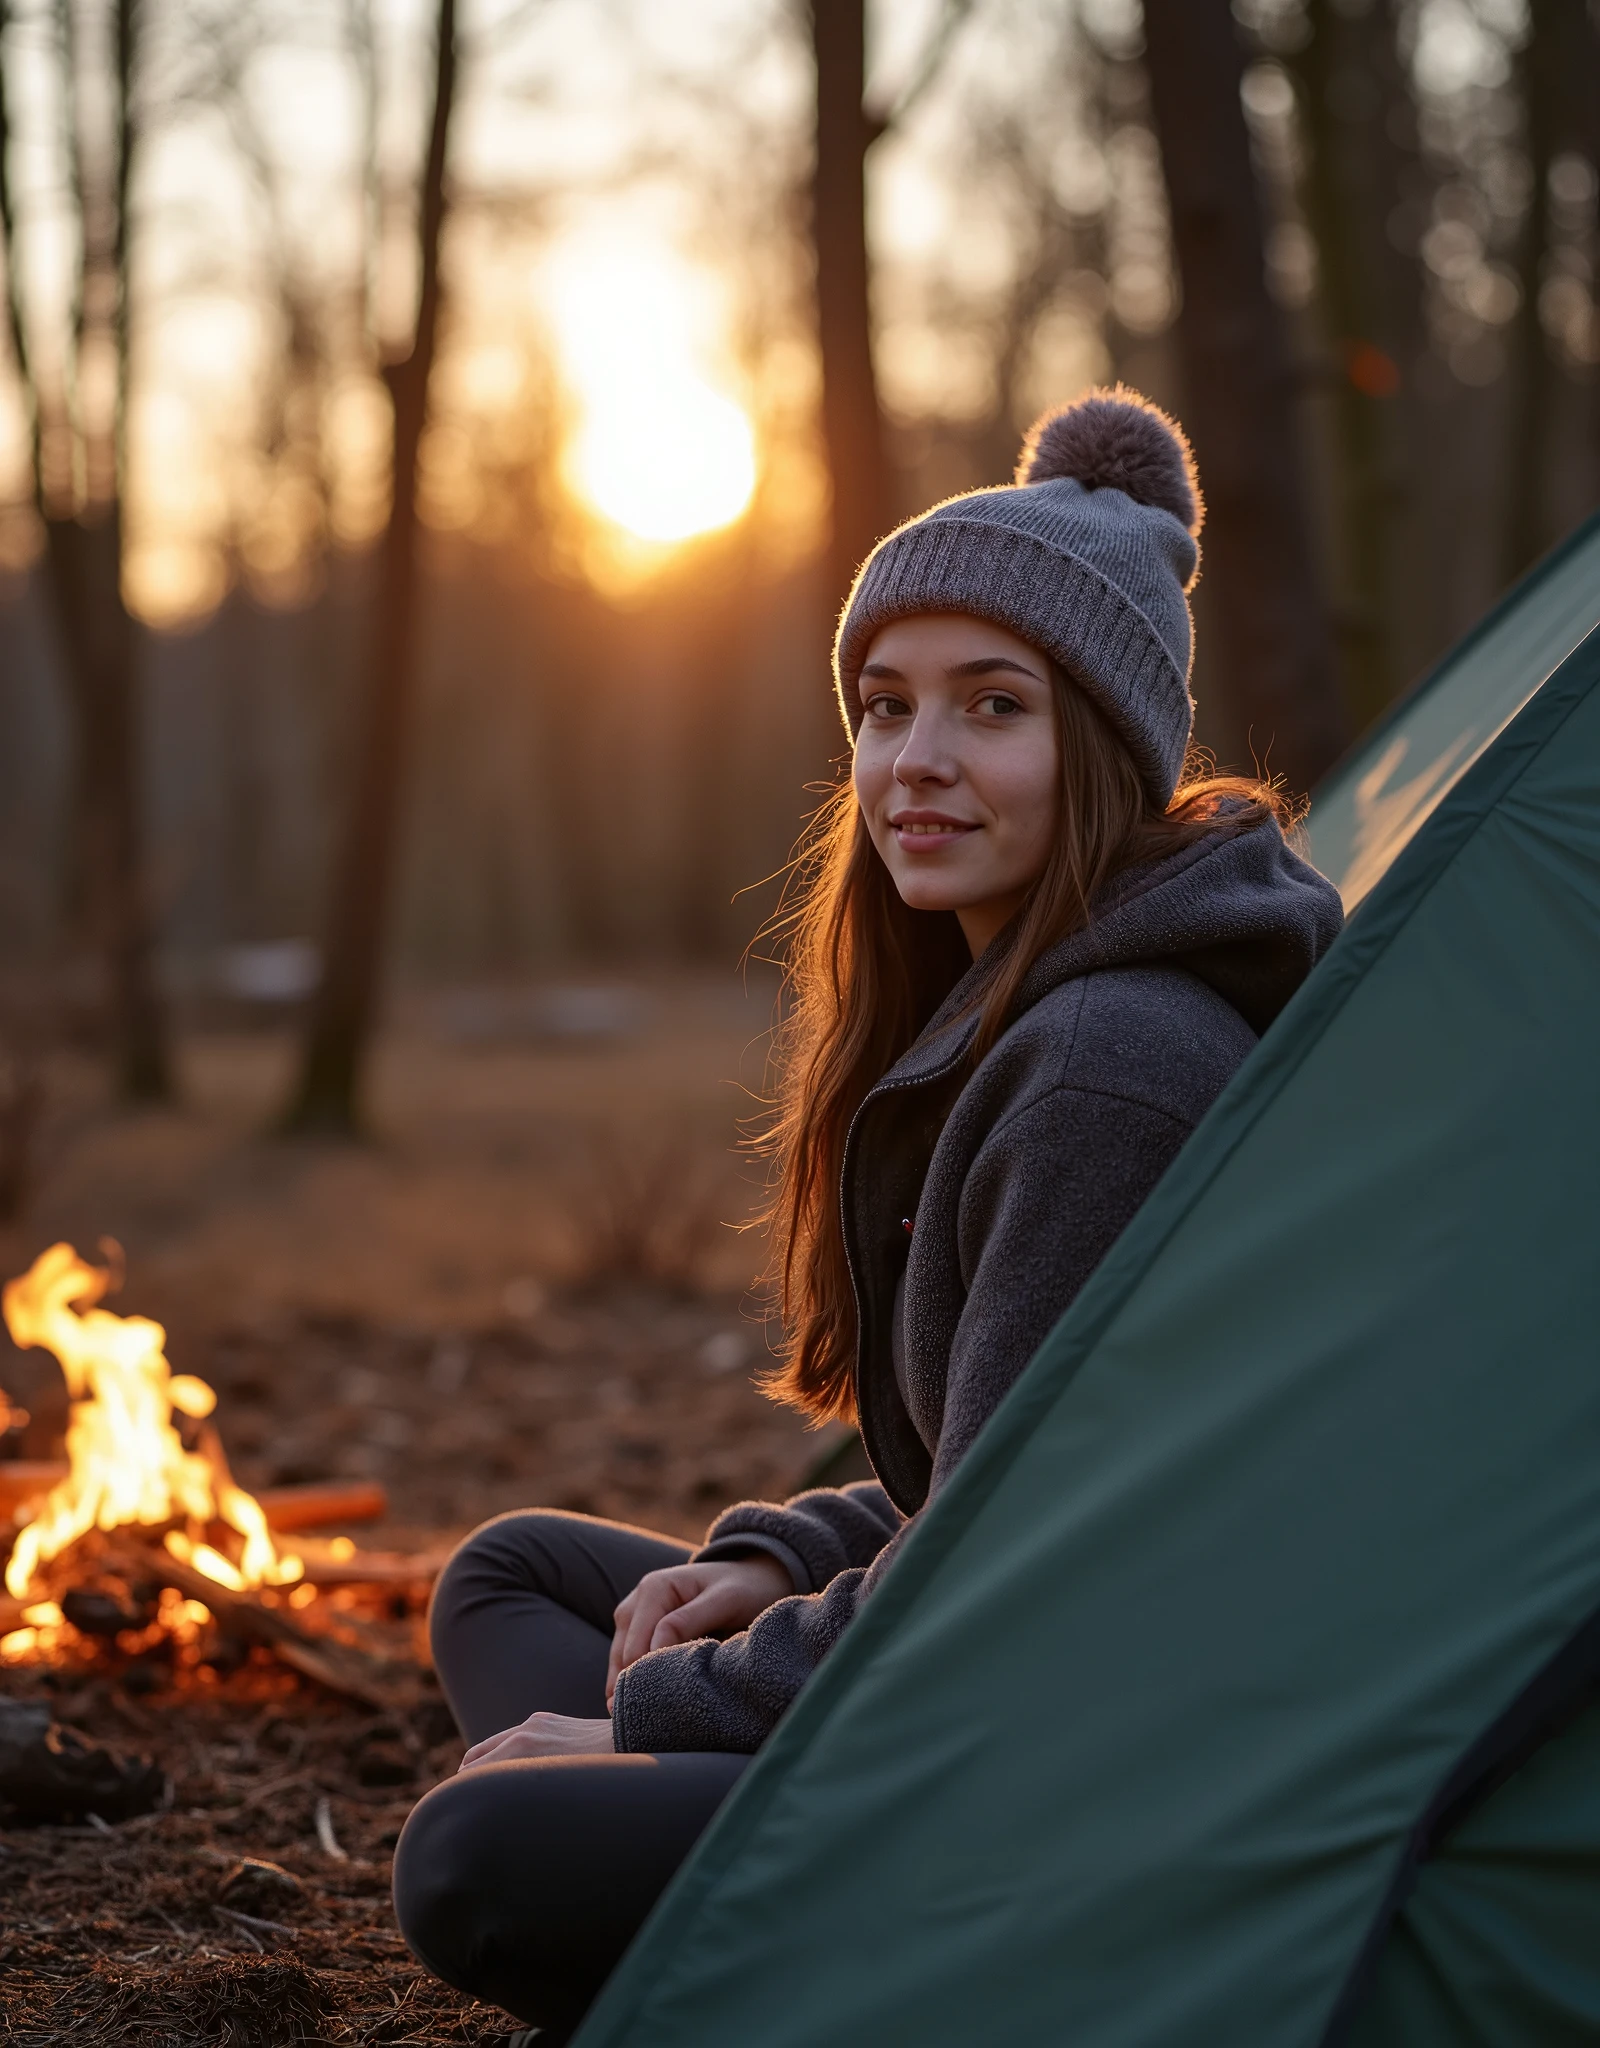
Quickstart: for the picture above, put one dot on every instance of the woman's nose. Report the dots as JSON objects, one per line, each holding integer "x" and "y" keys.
{"x": 926, "y": 755}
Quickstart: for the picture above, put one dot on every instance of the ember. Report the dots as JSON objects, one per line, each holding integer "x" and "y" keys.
{"x": 127, "y": 1463}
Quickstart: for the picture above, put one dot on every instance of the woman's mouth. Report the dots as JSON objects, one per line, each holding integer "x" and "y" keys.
{"x": 928, "y": 831}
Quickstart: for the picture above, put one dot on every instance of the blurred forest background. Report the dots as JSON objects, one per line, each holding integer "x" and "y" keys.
{"x": 435, "y": 440}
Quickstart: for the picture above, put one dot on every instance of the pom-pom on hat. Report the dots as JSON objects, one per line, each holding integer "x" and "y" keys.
{"x": 1089, "y": 557}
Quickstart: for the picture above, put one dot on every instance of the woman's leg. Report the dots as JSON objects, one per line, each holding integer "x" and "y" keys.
{"x": 521, "y": 1616}
{"x": 523, "y": 1882}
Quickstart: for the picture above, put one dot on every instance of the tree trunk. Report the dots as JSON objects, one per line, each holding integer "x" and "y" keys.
{"x": 1588, "y": 48}
{"x": 111, "y": 752}
{"x": 852, "y": 424}
{"x": 1545, "y": 83}
{"x": 328, "y": 1095}
{"x": 97, "y": 638}
{"x": 100, "y": 647}
{"x": 1275, "y": 657}
{"x": 1352, "y": 91}
{"x": 712, "y": 687}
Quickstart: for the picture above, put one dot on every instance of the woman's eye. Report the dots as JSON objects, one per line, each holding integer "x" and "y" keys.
{"x": 885, "y": 706}
{"x": 999, "y": 705}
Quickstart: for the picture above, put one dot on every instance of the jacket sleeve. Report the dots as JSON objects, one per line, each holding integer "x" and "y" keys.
{"x": 729, "y": 1696}
{"x": 815, "y": 1536}
{"x": 1029, "y": 1236}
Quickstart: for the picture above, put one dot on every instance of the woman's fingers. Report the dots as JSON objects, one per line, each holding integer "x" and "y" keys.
{"x": 656, "y": 1594}
{"x": 689, "y": 1600}
{"x": 649, "y": 1598}
{"x": 718, "y": 1607}
{"x": 542, "y": 1735}
{"x": 621, "y": 1617}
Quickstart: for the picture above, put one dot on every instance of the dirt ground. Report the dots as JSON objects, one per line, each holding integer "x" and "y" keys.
{"x": 524, "y": 1288}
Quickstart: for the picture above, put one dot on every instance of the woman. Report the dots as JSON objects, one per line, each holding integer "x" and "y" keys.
{"x": 1028, "y": 958}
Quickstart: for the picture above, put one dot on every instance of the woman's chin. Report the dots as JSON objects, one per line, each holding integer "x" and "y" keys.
{"x": 929, "y": 892}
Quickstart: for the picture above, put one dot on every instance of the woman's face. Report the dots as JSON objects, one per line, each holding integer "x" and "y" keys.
{"x": 957, "y": 767}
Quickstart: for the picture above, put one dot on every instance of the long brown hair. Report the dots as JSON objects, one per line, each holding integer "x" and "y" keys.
{"x": 864, "y": 973}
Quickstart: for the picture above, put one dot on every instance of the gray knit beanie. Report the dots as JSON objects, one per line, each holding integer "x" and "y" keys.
{"x": 1089, "y": 557}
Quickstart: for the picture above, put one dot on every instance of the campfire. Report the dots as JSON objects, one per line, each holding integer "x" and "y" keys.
{"x": 144, "y": 1545}
{"x": 127, "y": 1462}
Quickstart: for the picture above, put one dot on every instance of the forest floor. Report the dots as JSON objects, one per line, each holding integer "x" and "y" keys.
{"x": 522, "y": 1289}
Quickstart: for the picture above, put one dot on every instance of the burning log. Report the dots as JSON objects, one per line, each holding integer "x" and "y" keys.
{"x": 287, "y": 1508}
{"x": 342, "y": 1667}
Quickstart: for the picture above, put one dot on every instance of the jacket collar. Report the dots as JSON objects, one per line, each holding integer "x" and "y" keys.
{"x": 1239, "y": 909}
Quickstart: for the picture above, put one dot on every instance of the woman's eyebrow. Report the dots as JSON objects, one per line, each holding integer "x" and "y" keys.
{"x": 991, "y": 664}
{"x": 882, "y": 672}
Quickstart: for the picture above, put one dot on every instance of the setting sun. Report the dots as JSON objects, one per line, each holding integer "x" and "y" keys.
{"x": 656, "y": 448}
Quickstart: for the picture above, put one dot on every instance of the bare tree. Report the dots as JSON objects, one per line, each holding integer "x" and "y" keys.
{"x": 79, "y": 468}
{"x": 1275, "y": 647}
{"x": 327, "y": 1097}
{"x": 1362, "y": 170}
{"x": 1557, "y": 64}
{"x": 1589, "y": 126}
{"x": 852, "y": 420}
{"x": 859, "y": 470}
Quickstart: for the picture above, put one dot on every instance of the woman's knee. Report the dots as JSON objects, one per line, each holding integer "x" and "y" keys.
{"x": 484, "y": 1876}
{"x": 439, "y": 1880}
{"x": 524, "y": 1551}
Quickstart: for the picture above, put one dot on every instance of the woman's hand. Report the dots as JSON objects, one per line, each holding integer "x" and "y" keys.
{"x": 542, "y": 1735}
{"x": 690, "y": 1600}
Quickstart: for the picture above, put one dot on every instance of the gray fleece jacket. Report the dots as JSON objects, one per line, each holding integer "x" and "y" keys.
{"x": 976, "y": 1202}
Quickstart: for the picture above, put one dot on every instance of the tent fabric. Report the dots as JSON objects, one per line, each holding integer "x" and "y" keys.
{"x": 1499, "y": 1944}
{"x": 1298, "y": 1506}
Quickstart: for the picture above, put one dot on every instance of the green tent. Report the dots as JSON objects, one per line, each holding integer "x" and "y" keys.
{"x": 1241, "y": 1689}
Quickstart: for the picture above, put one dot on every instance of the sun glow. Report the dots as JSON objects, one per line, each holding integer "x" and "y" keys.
{"x": 657, "y": 448}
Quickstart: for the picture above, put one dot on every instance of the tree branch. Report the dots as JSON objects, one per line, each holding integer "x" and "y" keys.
{"x": 881, "y": 121}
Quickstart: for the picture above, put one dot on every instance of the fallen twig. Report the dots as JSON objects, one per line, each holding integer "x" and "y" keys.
{"x": 325, "y": 1834}
{"x": 251, "y": 1921}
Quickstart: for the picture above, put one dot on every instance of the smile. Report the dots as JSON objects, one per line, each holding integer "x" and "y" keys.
{"x": 927, "y": 834}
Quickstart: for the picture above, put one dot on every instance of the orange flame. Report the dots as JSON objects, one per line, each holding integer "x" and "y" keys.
{"x": 126, "y": 1461}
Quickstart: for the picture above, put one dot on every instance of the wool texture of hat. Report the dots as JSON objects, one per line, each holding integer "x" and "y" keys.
{"x": 1089, "y": 556}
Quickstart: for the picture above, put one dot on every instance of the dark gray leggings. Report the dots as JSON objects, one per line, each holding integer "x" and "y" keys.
{"x": 523, "y": 1882}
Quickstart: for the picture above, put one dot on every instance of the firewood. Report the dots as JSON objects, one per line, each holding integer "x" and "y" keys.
{"x": 372, "y": 1567}
{"x": 315, "y": 1505}
{"x": 25, "y": 1479}
{"x": 51, "y": 1774}
{"x": 358, "y": 1674}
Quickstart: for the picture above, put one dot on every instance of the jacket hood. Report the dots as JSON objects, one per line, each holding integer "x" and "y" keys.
{"x": 1240, "y": 910}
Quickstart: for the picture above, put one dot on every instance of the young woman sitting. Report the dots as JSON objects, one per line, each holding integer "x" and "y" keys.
{"x": 1029, "y": 956}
